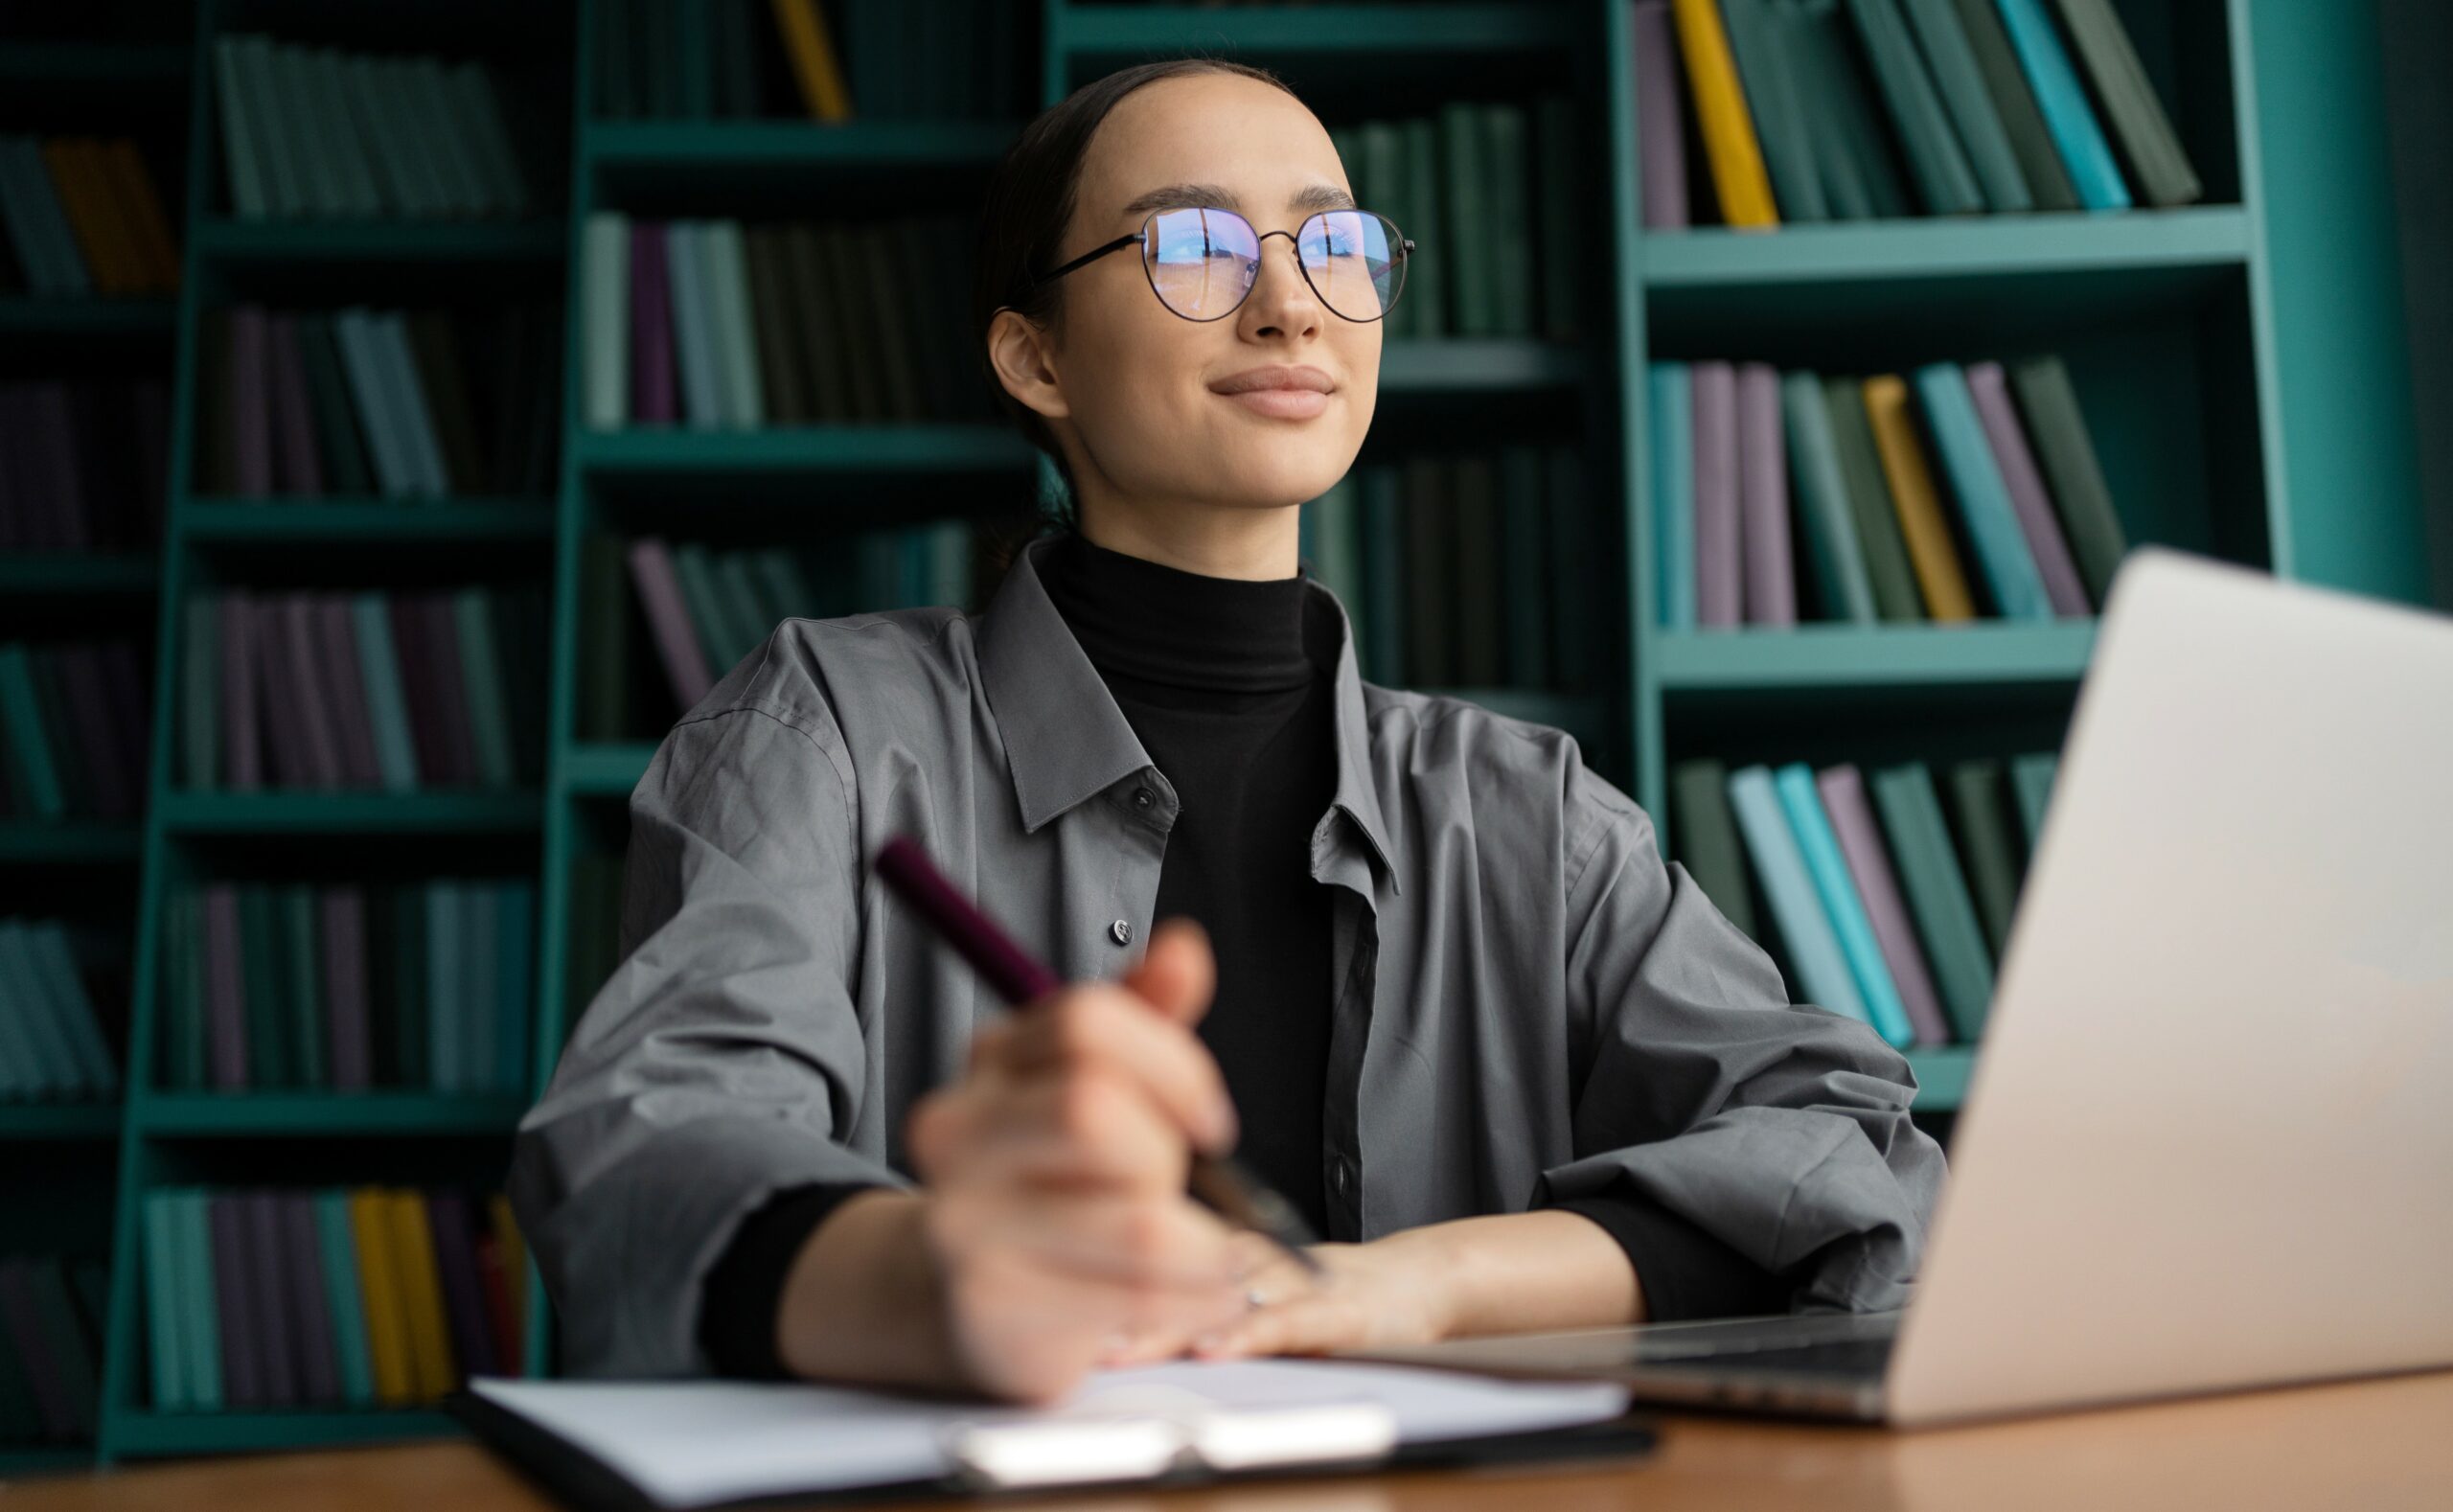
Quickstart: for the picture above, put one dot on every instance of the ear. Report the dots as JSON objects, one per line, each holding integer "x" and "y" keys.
{"x": 1018, "y": 350}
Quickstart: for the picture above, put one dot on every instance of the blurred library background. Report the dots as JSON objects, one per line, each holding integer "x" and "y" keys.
{"x": 407, "y": 410}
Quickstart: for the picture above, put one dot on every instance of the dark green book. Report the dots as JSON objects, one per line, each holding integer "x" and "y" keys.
{"x": 1507, "y": 173}
{"x": 1381, "y": 187}
{"x": 1474, "y": 482}
{"x": 603, "y": 603}
{"x": 1572, "y": 539}
{"x": 1961, "y": 84}
{"x": 1937, "y": 895}
{"x": 409, "y": 986}
{"x": 1987, "y": 850}
{"x": 339, "y": 445}
{"x": 2021, "y": 120}
{"x": 301, "y": 922}
{"x": 2158, "y": 163}
{"x": 268, "y": 1003}
{"x": 382, "y": 985}
{"x": 1427, "y": 278}
{"x": 1944, "y": 178}
{"x": 1430, "y": 574}
{"x": 780, "y": 372}
{"x": 2031, "y": 776}
{"x": 1878, "y": 533}
{"x": 1707, "y": 843}
{"x": 1382, "y": 655}
{"x": 1560, "y": 190}
{"x": 1470, "y": 237}
{"x": 1861, "y": 169}
{"x": 2080, "y": 497}
{"x": 1781, "y": 124}
{"x": 1525, "y": 551}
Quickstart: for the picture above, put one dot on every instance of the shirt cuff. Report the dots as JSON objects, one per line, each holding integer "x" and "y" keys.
{"x": 745, "y": 1288}
{"x": 1685, "y": 1271}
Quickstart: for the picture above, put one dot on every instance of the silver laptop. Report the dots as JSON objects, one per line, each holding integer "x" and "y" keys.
{"x": 2209, "y": 1142}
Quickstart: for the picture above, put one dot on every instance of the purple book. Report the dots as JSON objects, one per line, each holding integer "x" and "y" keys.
{"x": 345, "y": 690}
{"x": 651, "y": 376}
{"x": 243, "y": 1376}
{"x": 225, "y": 987}
{"x": 21, "y": 1324}
{"x": 346, "y": 999}
{"x": 435, "y": 767}
{"x": 1719, "y": 571}
{"x": 450, "y": 689}
{"x": 1853, "y": 820}
{"x": 463, "y": 1304}
{"x": 676, "y": 642}
{"x": 2062, "y": 587}
{"x": 1661, "y": 126}
{"x": 295, "y": 464}
{"x": 250, "y": 401}
{"x": 1763, "y": 495}
{"x": 242, "y": 769}
{"x": 310, "y": 1317}
{"x": 277, "y": 1344}
{"x": 319, "y": 722}
{"x": 285, "y": 759}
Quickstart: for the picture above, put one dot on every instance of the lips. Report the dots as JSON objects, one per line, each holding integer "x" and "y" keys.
{"x": 1250, "y": 380}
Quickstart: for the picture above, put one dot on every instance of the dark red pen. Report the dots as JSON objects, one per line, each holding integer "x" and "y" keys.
{"x": 1219, "y": 1182}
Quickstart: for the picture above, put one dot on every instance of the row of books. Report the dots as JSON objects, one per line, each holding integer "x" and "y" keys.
{"x": 321, "y": 132}
{"x": 74, "y": 723}
{"x": 368, "y": 1296}
{"x": 50, "y": 1348}
{"x": 1493, "y": 204}
{"x": 1807, "y": 111}
{"x": 1469, "y": 569}
{"x": 422, "y": 402}
{"x": 344, "y": 987}
{"x": 82, "y": 218}
{"x": 718, "y": 326}
{"x": 1899, "y": 923}
{"x": 844, "y": 60}
{"x": 2023, "y": 527}
{"x": 52, "y": 1044}
{"x": 84, "y": 464}
{"x": 595, "y": 940}
{"x": 707, "y": 609}
{"x": 333, "y": 689}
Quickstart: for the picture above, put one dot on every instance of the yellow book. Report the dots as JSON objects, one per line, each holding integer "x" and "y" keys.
{"x": 515, "y": 1261}
{"x": 814, "y": 65}
{"x": 1913, "y": 495}
{"x": 141, "y": 212}
{"x": 90, "y": 214}
{"x": 1729, "y": 143}
{"x": 431, "y": 1365}
{"x": 387, "y": 1333}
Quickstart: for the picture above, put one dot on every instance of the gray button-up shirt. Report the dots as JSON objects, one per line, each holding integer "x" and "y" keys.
{"x": 1528, "y": 1004}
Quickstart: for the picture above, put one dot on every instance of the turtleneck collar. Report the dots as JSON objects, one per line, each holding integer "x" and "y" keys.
{"x": 1145, "y": 620}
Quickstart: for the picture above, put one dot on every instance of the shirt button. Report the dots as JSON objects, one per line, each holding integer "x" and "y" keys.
{"x": 1337, "y": 1174}
{"x": 1143, "y": 798}
{"x": 1121, "y": 932}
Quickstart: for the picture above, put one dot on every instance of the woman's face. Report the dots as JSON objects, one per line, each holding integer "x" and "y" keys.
{"x": 1130, "y": 388}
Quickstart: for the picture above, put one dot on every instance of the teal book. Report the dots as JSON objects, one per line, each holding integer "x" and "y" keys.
{"x": 2077, "y": 135}
{"x": 53, "y": 963}
{"x": 694, "y": 571}
{"x": 201, "y": 694}
{"x": 165, "y": 1333}
{"x": 1820, "y": 845}
{"x": 480, "y": 962}
{"x": 182, "y": 998}
{"x": 386, "y": 704}
{"x": 738, "y": 605}
{"x": 300, "y": 927}
{"x": 1938, "y": 895}
{"x": 1507, "y": 176}
{"x": 198, "y": 1306}
{"x": 727, "y": 277}
{"x": 344, "y": 1300}
{"x": 1984, "y": 497}
{"x": 1472, "y": 296}
{"x": 39, "y": 1057}
{"x": 1707, "y": 839}
{"x": 2031, "y": 139}
{"x": 413, "y": 420}
{"x": 516, "y": 983}
{"x": 693, "y": 336}
{"x": 1813, "y": 948}
{"x": 2031, "y": 776}
{"x": 28, "y": 742}
{"x": 1759, "y": 45}
{"x": 268, "y": 998}
{"x": 1861, "y": 173}
{"x": 1944, "y": 178}
{"x": 1427, "y": 281}
{"x": 605, "y": 295}
{"x": 1673, "y": 491}
{"x": 444, "y": 997}
{"x": 1843, "y": 590}
{"x": 481, "y": 663}
{"x": 369, "y": 392}
{"x": 1961, "y": 84}
{"x": 242, "y": 158}
{"x": 1974, "y": 791}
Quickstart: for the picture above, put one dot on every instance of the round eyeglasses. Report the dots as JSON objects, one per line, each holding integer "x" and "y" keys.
{"x": 1202, "y": 261}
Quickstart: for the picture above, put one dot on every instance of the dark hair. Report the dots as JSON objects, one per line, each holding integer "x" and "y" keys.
{"x": 1022, "y": 220}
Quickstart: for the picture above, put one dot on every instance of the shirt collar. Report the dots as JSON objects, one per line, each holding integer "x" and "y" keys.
{"x": 1066, "y": 739}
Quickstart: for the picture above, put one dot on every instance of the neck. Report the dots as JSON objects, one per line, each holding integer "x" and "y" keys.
{"x": 1148, "y": 620}
{"x": 1254, "y": 544}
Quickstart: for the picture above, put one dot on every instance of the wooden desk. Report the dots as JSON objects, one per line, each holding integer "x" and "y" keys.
{"x": 2374, "y": 1445}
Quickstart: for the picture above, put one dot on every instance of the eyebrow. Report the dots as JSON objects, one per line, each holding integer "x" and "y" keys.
{"x": 1179, "y": 196}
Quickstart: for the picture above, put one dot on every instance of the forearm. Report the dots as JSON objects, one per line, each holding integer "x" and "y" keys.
{"x": 861, "y": 1302}
{"x": 1527, "y": 1273}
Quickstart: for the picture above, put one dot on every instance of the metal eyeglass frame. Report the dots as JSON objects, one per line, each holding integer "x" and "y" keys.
{"x": 1405, "y": 252}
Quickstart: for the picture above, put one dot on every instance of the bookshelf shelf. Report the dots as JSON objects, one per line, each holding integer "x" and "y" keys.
{"x": 1974, "y": 247}
{"x": 1432, "y": 367}
{"x": 45, "y": 1461}
{"x": 754, "y": 147}
{"x": 602, "y": 770}
{"x": 1105, "y": 30}
{"x": 66, "y": 66}
{"x": 346, "y": 812}
{"x": 683, "y": 454}
{"x": 66, "y": 574}
{"x": 1890, "y": 655}
{"x": 78, "y": 841}
{"x": 340, "y": 521}
{"x": 89, "y": 318}
{"x": 1941, "y": 1077}
{"x": 300, "y": 1114}
{"x": 58, "y": 1121}
{"x": 230, "y": 243}
{"x": 147, "y": 1432}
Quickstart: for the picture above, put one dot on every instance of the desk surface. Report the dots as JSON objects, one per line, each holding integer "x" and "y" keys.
{"x": 2373, "y": 1444}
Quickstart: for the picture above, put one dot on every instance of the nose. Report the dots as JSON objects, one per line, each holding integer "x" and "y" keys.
{"x": 1281, "y": 298}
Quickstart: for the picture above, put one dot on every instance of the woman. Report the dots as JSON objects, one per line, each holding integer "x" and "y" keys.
{"x": 1520, "y": 1073}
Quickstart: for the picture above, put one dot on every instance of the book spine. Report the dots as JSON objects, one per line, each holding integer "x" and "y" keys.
{"x": 1720, "y": 574}
{"x": 1730, "y": 145}
{"x": 1763, "y": 496}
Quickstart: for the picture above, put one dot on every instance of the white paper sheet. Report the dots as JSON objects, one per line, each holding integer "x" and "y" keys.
{"x": 688, "y": 1443}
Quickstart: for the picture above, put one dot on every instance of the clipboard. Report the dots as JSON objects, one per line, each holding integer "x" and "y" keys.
{"x": 1144, "y": 1441}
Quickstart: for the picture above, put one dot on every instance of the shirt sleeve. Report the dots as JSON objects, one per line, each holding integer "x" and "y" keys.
{"x": 721, "y": 1062}
{"x": 745, "y": 1288}
{"x": 1779, "y": 1129}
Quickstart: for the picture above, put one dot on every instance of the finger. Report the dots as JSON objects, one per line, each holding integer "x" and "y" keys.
{"x": 1167, "y": 1244}
{"x": 1087, "y": 1131}
{"x": 1098, "y": 1023}
{"x": 1178, "y": 973}
{"x": 1310, "y": 1326}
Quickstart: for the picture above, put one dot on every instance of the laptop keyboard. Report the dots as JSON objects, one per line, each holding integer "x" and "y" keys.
{"x": 1851, "y": 1359}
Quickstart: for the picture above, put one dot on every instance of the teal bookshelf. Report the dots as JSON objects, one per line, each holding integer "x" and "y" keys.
{"x": 2177, "y": 326}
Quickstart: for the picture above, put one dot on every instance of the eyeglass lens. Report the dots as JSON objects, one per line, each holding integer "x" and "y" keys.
{"x": 1203, "y": 262}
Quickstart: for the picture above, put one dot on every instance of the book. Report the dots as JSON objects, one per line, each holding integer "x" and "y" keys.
{"x": 1672, "y": 444}
{"x": 1739, "y": 177}
{"x": 1770, "y": 596}
{"x": 1844, "y": 590}
{"x": 1707, "y": 842}
{"x": 1916, "y": 501}
{"x": 343, "y": 1298}
{"x": 1877, "y": 993}
{"x": 1781, "y": 128}
{"x": 1988, "y": 388}
{"x": 2039, "y": 161}
{"x": 1959, "y": 82}
{"x": 2157, "y": 162}
{"x": 2077, "y": 136}
{"x": 1842, "y": 791}
{"x": 1945, "y": 180}
{"x": 1938, "y": 896}
{"x": 1812, "y": 946}
{"x": 382, "y": 1291}
{"x": 2010, "y": 575}
{"x": 2081, "y": 497}
{"x": 165, "y": 1333}
{"x": 1990, "y": 855}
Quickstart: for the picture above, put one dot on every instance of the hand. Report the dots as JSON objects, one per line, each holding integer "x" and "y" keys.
{"x": 1388, "y": 1292}
{"x": 1056, "y": 1215}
